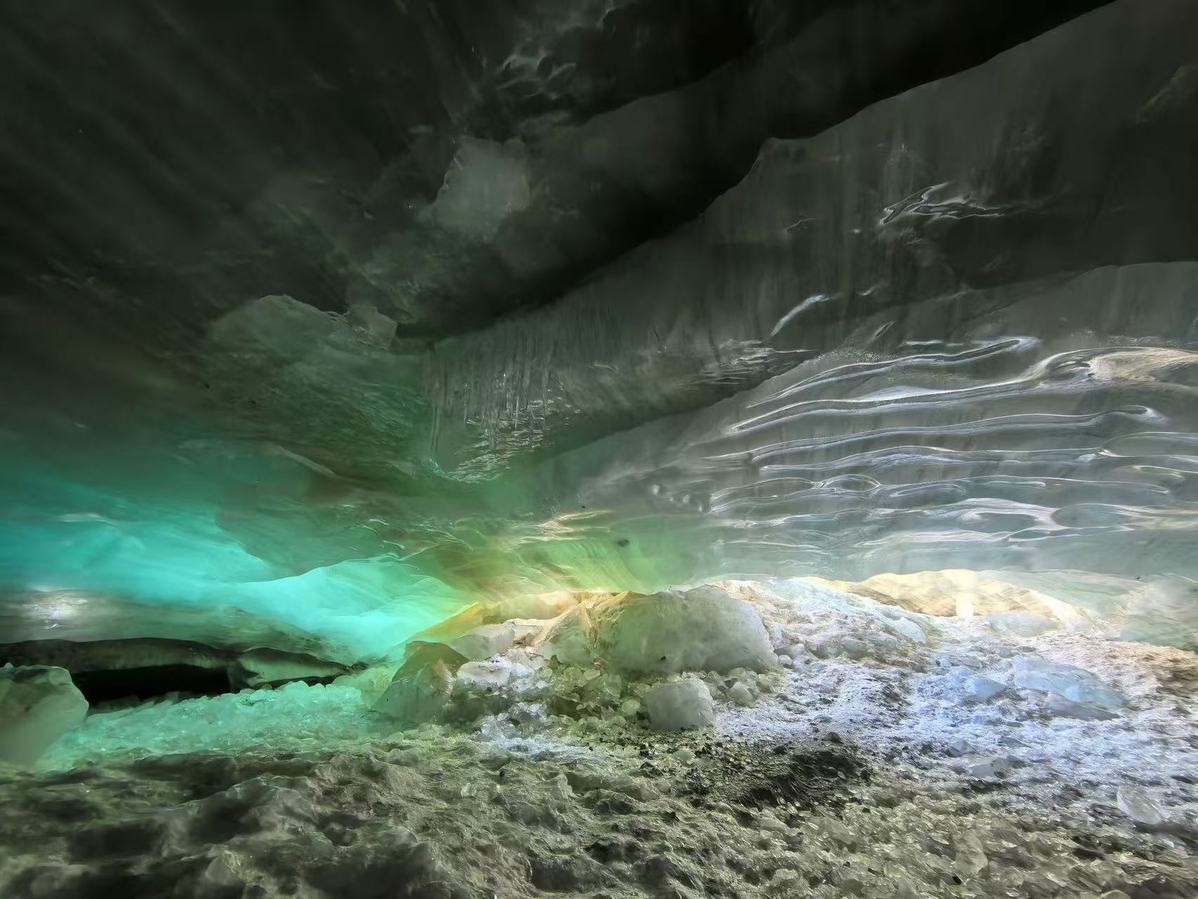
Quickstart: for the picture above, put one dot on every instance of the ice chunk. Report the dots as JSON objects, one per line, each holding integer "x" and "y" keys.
{"x": 680, "y": 705}
{"x": 704, "y": 629}
{"x": 486, "y": 675}
{"x": 38, "y": 704}
{"x": 571, "y": 638}
{"x": 985, "y": 767}
{"x": 1139, "y": 806}
{"x": 371, "y": 682}
{"x": 1021, "y": 624}
{"x": 740, "y": 694}
{"x": 1066, "y": 708}
{"x": 981, "y": 689}
{"x": 485, "y": 641}
{"x": 777, "y": 636}
{"x": 1076, "y": 684}
{"x": 829, "y": 644}
{"x": 422, "y": 686}
{"x": 883, "y": 641}
{"x": 908, "y": 628}
{"x": 630, "y": 707}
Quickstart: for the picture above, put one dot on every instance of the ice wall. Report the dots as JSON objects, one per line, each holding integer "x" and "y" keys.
{"x": 961, "y": 325}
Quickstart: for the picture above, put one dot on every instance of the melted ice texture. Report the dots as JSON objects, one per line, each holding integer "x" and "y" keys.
{"x": 958, "y": 329}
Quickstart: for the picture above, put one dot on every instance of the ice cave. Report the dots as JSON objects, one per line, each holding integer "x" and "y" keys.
{"x": 489, "y": 449}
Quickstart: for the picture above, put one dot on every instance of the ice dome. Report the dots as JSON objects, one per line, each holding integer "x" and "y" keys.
{"x": 443, "y": 440}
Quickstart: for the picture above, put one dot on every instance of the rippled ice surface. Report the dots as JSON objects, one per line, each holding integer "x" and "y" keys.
{"x": 867, "y": 774}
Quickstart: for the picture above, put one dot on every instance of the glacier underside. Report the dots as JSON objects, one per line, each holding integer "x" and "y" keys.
{"x": 955, "y": 330}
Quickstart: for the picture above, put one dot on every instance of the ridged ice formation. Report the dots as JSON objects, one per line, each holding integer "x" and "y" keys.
{"x": 414, "y": 302}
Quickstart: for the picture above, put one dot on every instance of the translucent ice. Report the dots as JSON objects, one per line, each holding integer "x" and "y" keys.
{"x": 422, "y": 686}
{"x": 680, "y": 705}
{"x": 1138, "y": 805}
{"x": 1075, "y": 684}
{"x": 37, "y": 706}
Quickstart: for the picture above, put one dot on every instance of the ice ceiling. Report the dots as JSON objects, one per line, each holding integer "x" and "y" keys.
{"x": 320, "y": 322}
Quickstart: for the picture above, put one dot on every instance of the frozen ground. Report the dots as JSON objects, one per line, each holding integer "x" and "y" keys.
{"x": 894, "y": 755}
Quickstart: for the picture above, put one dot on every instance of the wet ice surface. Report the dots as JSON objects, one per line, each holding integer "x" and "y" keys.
{"x": 884, "y": 763}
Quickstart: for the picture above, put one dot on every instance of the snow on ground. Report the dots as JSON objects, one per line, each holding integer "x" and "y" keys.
{"x": 894, "y": 754}
{"x": 920, "y": 703}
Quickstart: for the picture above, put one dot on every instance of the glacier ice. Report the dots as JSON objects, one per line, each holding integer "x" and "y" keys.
{"x": 1139, "y": 806}
{"x": 571, "y": 638}
{"x": 927, "y": 325}
{"x": 487, "y": 640}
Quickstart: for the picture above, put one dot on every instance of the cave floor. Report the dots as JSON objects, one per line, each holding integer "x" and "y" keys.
{"x": 864, "y": 776}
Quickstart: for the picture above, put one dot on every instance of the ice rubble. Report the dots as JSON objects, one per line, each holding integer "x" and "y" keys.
{"x": 926, "y": 762}
{"x": 38, "y": 704}
{"x": 603, "y": 649}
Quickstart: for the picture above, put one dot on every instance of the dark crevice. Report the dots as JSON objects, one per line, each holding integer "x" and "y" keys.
{"x": 151, "y": 682}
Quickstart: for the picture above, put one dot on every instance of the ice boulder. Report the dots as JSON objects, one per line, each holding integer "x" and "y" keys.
{"x": 490, "y": 674}
{"x": 1138, "y": 805}
{"x": 422, "y": 686}
{"x": 740, "y": 693}
{"x": 371, "y": 682}
{"x": 1060, "y": 707}
{"x": 978, "y": 688}
{"x": 704, "y": 629}
{"x": 1020, "y": 624}
{"x": 38, "y": 704}
{"x": 489, "y": 640}
{"x": 1076, "y": 684}
{"x": 680, "y": 705}
{"x": 570, "y": 639}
